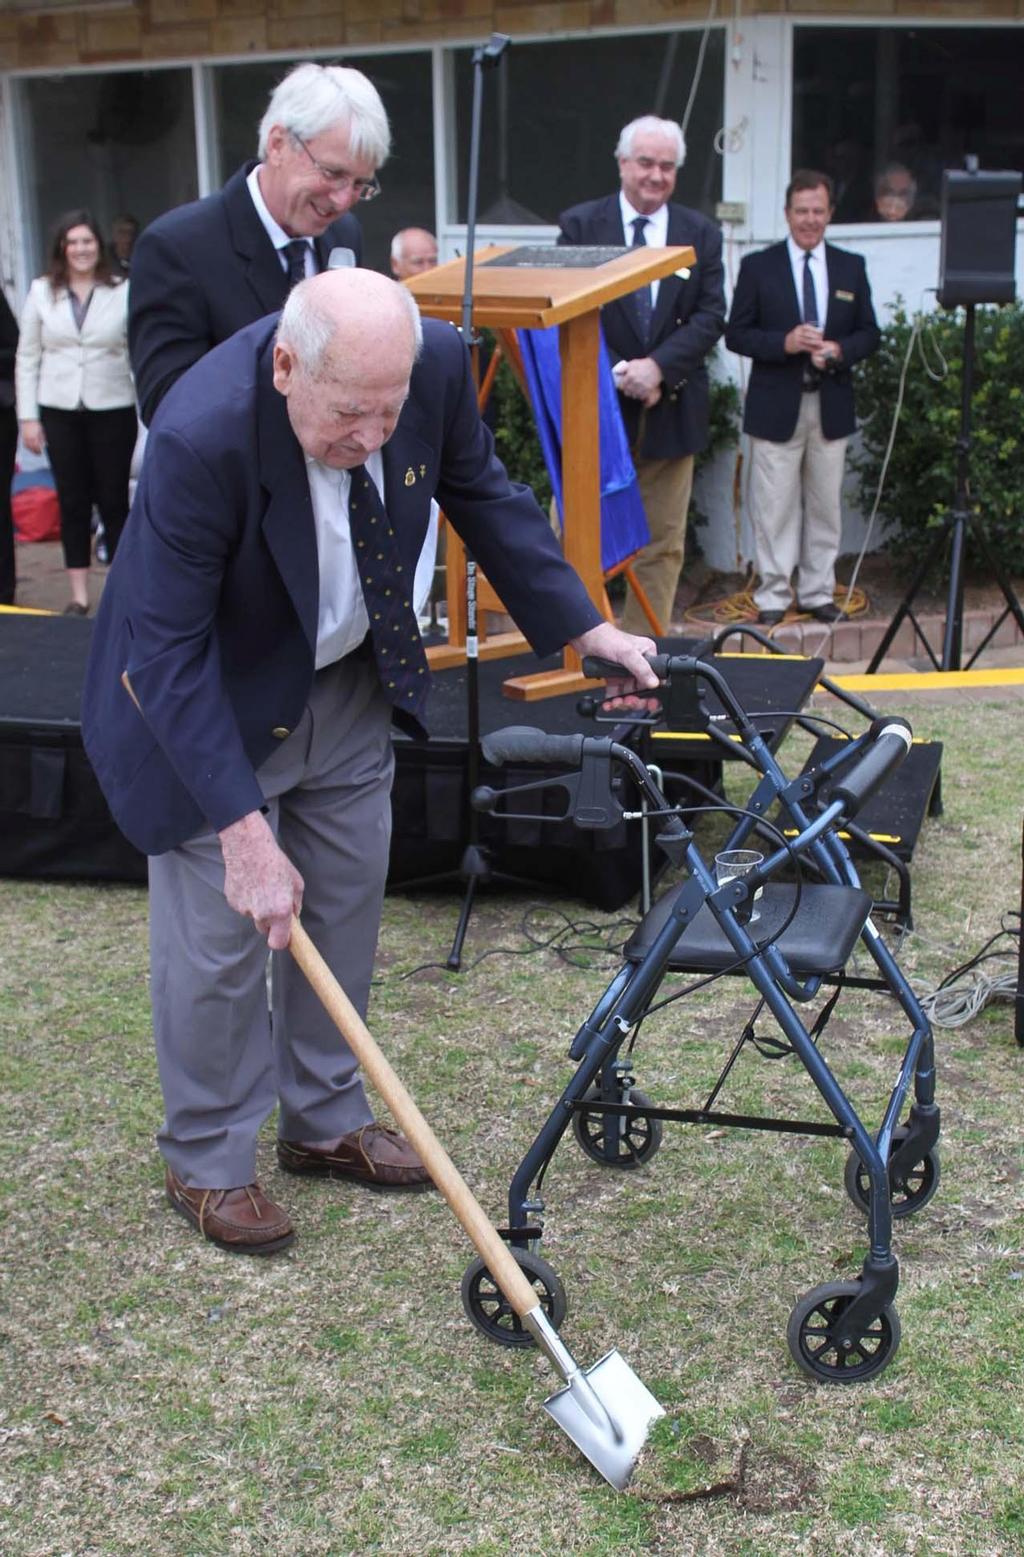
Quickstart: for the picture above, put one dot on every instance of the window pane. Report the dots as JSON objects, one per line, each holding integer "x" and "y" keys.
{"x": 540, "y": 152}
{"x": 115, "y": 142}
{"x": 885, "y": 109}
{"x": 241, "y": 93}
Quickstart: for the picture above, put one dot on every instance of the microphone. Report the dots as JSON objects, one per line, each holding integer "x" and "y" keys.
{"x": 341, "y": 259}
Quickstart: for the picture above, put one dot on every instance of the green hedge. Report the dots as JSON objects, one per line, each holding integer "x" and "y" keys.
{"x": 920, "y": 485}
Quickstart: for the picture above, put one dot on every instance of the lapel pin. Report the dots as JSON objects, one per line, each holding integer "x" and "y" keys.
{"x": 410, "y": 477}
{"x": 423, "y": 471}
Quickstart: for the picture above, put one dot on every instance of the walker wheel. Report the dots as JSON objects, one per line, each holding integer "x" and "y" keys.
{"x": 908, "y": 1191}
{"x": 635, "y": 1139}
{"x": 491, "y": 1311}
{"x": 812, "y": 1327}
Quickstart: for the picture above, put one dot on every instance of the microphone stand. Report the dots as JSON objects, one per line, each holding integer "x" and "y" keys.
{"x": 475, "y": 865}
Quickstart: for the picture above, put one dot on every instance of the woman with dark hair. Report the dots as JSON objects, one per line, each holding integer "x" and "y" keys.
{"x": 75, "y": 391}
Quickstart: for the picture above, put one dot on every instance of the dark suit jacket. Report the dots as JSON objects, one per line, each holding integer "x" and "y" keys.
{"x": 211, "y": 603}
{"x": 688, "y": 320}
{"x": 765, "y": 308}
{"x": 201, "y": 272}
{"x": 8, "y": 350}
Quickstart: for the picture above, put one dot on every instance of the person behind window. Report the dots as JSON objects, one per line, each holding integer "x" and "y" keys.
{"x": 413, "y": 250}
{"x": 75, "y": 393}
{"x": 123, "y": 232}
{"x": 895, "y": 194}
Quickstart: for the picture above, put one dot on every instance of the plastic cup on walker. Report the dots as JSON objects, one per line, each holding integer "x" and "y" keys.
{"x": 737, "y": 862}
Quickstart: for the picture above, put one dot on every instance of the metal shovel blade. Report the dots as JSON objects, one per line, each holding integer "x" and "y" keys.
{"x": 607, "y": 1412}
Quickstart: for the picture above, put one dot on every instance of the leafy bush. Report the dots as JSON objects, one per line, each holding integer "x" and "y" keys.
{"x": 920, "y": 485}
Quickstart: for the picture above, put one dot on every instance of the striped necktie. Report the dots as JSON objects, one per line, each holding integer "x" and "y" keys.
{"x": 387, "y": 591}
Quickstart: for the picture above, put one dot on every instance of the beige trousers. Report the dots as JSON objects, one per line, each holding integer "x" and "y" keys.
{"x": 795, "y": 507}
{"x": 665, "y": 486}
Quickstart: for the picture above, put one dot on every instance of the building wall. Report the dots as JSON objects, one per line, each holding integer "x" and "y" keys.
{"x": 69, "y": 34}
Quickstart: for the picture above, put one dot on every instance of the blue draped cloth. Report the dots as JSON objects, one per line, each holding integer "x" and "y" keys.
{"x": 623, "y": 521}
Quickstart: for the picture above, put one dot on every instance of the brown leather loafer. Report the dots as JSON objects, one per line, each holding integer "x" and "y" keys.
{"x": 375, "y": 1156}
{"x": 242, "y": 1220}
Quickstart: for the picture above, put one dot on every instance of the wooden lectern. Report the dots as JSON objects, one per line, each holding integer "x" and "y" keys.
{"x": 516, "y": 289}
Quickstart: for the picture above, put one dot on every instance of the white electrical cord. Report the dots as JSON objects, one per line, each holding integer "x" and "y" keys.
{"x": 916, "y": 339}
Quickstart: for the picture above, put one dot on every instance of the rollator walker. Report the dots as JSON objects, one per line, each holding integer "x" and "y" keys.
{"x": 789, "y": 938}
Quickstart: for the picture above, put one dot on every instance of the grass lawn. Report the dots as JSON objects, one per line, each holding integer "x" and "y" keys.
{"x": 158, "y": 1396}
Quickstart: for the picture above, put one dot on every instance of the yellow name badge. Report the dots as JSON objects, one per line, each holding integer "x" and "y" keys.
{"x": 844, "y": 297}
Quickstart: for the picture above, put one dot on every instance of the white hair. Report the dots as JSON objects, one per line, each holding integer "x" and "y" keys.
{"x": 650, "y": 124}
{"x": 313, "y": 98}
{"x": 308, "y": 329}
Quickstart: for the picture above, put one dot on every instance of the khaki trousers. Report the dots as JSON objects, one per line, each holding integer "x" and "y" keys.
{"x": 665, "y": 486}
{"x": 795, "y": 507}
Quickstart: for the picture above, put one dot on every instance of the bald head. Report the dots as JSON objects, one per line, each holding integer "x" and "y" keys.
{"x": 413, "y": 250}
{"x": 346, "y": 344}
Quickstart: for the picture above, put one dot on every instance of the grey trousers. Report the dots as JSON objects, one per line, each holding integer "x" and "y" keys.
{"x": 222, "y": 1066}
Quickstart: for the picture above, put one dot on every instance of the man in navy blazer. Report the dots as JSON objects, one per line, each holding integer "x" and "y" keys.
{"x": 658, "y": 339}
{"x": 253, "y": 642}
{"x": 802, "y": 310}
{"x": 204, "y": 270}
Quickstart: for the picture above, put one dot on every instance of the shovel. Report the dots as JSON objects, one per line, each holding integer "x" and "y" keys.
{"x": 606, "y": 1410}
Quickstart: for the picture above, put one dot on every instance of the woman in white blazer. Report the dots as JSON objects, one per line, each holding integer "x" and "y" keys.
{"x": 75, "y": 391}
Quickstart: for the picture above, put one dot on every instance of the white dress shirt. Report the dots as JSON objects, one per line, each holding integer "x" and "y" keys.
{"x": 342, "y": 620}
{"x": 655, "y": 233}
{"x": 819, "y": 276}
{"x": 275, "y": 232}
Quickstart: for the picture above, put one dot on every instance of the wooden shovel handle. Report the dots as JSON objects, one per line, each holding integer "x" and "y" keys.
{"x": 491, "y": 1248}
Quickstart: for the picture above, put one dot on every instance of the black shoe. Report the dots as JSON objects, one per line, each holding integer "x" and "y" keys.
{"x": 824, "y": 613}
{"x": 770, "y": 618}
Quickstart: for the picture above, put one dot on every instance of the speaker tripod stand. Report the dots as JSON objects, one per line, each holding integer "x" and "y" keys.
{"x": 958, "y": 524}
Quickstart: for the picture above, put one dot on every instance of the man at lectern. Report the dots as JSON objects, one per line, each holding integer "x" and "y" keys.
{"x": 659, "y": 338}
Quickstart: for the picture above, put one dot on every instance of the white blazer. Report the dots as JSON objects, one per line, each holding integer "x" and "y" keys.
{"x": 58, "y": 365}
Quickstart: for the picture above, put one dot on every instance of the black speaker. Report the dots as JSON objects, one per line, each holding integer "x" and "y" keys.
{"x": 979, "y": 232}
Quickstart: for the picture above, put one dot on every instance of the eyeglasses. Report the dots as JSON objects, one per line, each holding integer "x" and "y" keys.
{"x": 646, "y": 164}
{"x": 338, "y": 178}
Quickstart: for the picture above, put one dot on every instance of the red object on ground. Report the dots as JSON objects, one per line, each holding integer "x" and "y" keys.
{"x": 36, "y": 513}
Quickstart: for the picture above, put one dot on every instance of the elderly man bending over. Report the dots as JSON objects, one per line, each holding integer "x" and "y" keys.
{"x": 254, "y": 642}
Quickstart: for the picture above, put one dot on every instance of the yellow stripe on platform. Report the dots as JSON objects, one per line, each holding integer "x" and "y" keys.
{"x": 25, "y": 611}
{"x": 686, "y": 735}
{"x": 793, "y": 832}
{"x": 930, "y": 680}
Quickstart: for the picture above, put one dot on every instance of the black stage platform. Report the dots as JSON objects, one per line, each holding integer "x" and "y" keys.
{"x": 55, "y": 823}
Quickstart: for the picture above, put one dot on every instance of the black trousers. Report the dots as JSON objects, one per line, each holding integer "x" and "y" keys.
{"x": 91, "y": 457}
{"x": 8, "y": 454}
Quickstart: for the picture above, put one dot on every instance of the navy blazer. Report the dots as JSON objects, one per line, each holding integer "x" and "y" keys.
{"x": 210, "y": 607}
{"x": 765, "y": 307}
{"x": 201, "y": 272}
{"x": 688, "y": 319}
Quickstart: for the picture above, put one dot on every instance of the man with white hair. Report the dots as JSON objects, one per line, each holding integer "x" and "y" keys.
{"x": 254, "y": 641}
{"x": 204, "y": 270}
{"x": 413, "y": 250}
{"x": 658, "y": 338}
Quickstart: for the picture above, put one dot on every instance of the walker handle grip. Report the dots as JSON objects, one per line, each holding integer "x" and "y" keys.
{"x": 892, "y": 740}
{"x": 524, "y": 743}
{"x": 596, "y": 668}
